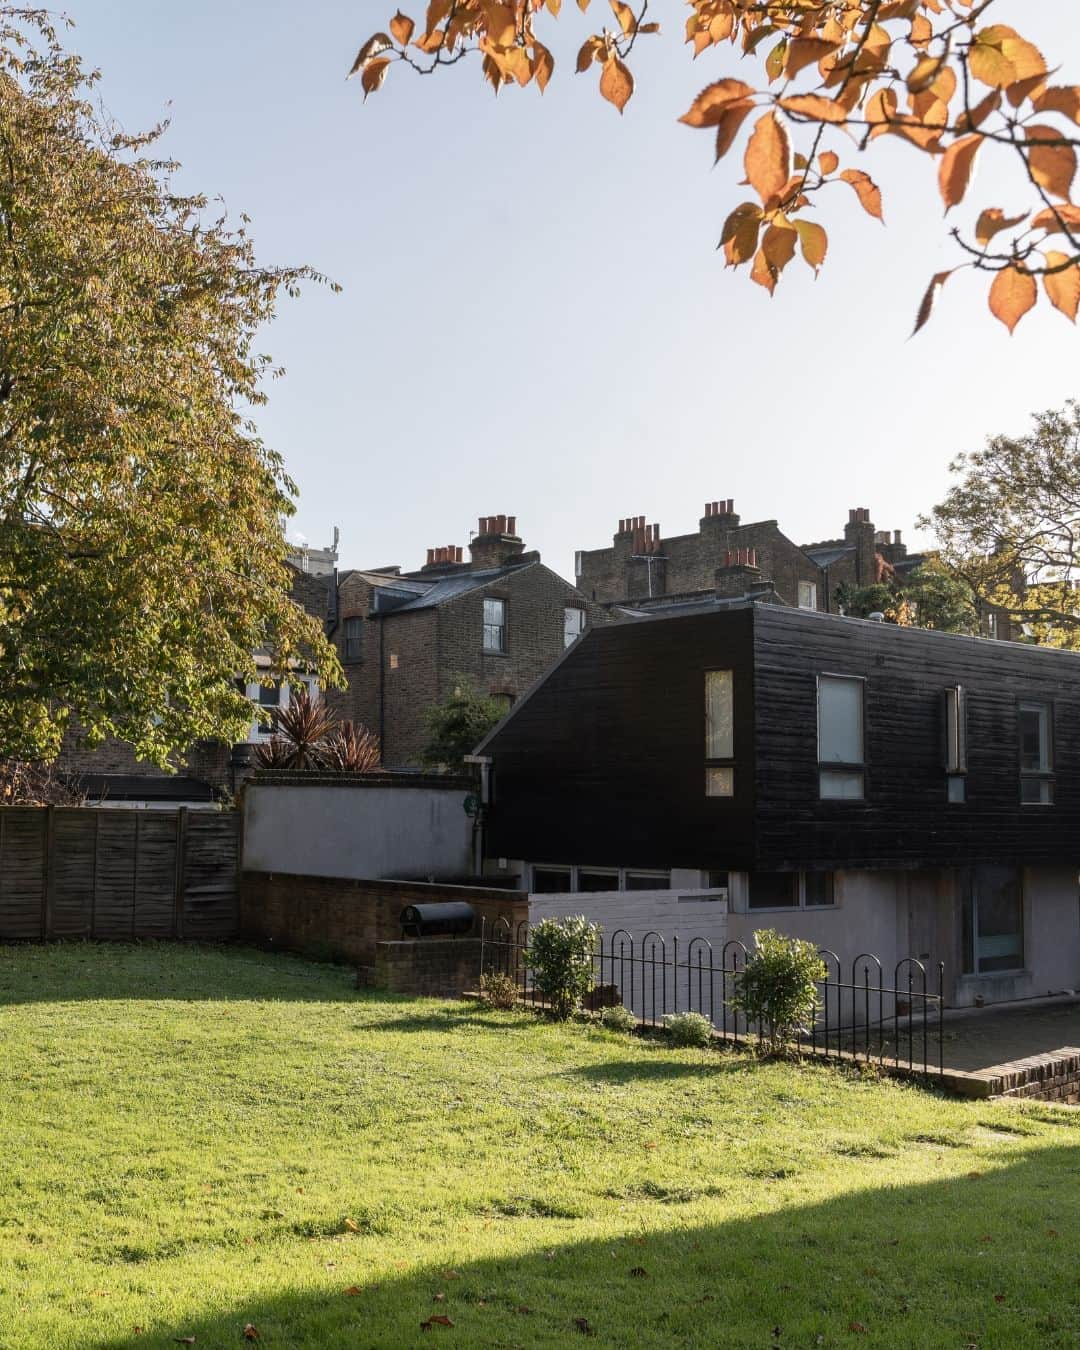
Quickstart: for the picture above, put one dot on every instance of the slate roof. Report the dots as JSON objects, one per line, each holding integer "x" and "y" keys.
{"x": 442, "y": 589}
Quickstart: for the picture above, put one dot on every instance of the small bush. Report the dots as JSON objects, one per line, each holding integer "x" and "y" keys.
{"x": 560, "y": 956}
{"x": 688, "y": 1028}
{"x": 778, "y": 988}
{"x": 498, "y": 990}
{"x": 618, "y": 1018}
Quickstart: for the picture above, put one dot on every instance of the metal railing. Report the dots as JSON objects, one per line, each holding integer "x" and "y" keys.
{"x": 863, "y": 1012}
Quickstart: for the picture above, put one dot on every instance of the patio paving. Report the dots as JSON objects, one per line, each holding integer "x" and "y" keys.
{"x": 984, "y": 1038}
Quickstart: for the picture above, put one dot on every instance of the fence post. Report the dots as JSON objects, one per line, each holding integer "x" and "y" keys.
{"x": 47, "y": 866}
{"x": 181, "y": 870}
{"x": 135, "y": 874}
{"x": 94, "y": 874}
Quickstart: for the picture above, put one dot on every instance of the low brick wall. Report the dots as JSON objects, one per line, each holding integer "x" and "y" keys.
{"x": 425, "y": 966}
{"x": 341, "y": 919}
{"x": 1053, "y": 1077}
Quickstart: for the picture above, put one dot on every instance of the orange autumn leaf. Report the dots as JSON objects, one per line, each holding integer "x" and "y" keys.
{"x": 616, "y": 82}
{"x": 402, "y": 28}
{"x": 815, "y": 107}
{"x": 1053, "y": 165}
{"x": 866, "y": 190}
{"x": 814, "y": 243}
{"x": 1063, "y": 285}
{"x": 926, "y": 308}
{"x": 713, "y": 101}
{"x": 954, "y": 171}
{"x": 1011, "y": 296}
{"x": 374, "y": 74}
{"x": 992, "y": 221}
{"x": 768, "y": 157}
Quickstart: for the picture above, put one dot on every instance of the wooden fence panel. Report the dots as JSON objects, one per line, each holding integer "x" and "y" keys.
{"x": 22, "y": 877}
{"x": 118, "y": 874}
{"x": 155, "y": 877}
{"x": 71, "y": 873}
{"x": 211, "y": 876}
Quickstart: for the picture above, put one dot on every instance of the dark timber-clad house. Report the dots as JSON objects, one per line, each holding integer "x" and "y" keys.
{"x": 871, "y": 787}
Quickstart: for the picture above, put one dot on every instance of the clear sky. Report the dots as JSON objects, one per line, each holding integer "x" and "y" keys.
{"x": 535, "y": 321}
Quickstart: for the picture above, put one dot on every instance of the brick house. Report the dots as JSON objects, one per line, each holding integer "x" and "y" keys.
{"x": 727, "y": 560}
{"x": 499, "y": 619}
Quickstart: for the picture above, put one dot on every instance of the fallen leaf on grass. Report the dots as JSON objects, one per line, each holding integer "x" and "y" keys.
{"x": 639, "y": 1273}
{"x": 523, "y": 1309}
{"x": 251, "y": 1332}
{"x": 857, "y": 1327}
{"x": 450, "y": 1275}
{"x": 184, "y": 1340}
{"x": 999, "y": 1298}
{"x": 436, "y": 1320}
{"x": 439, "y": 1298}
{"x": 352, "y": 1226}
{"x": 353, "y": 1290}
{"x": 582, "y": 1324}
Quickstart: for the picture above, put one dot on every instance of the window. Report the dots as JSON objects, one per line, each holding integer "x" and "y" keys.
{"x": 494, "y": 625}
{"x": 807, "y": 595}
{"x": 719, "y": 733}
{"x": 573, "y": 624}
{"x": 1033, "y": 723}
{"x": 269, "y": 698}
{"x": 840, "y": 737}
{"x": 773, "y": 890}
{"x": 790, "y": 890}
{"x": 819, "y": 890}
{"x": 551, "y": 880}
{"x": 993, "y": 920}
{"x": 504, "y": 700}
{"x": 592, "y": 879}
{"x": 647, "y": 881}
{"x": 955, "y": 721}
{"x": 354, "y": 639}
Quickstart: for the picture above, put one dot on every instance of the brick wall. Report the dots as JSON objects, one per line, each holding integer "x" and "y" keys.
{"x": 426, "y": 967}
{"x": 339, "y": 919}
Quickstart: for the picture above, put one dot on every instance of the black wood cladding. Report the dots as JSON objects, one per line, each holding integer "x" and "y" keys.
{"x": 604, "y": 763}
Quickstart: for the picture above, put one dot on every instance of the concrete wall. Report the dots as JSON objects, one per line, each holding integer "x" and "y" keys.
{"x": 359, "y": 827}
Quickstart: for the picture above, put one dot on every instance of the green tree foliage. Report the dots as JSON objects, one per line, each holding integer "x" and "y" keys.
{"x": 778, "y": 988}
{"x": 142, "y": 560}
{"x": 560, "y": 956}
{"x": 1010, "y": 525}
{"x": 458, "y": 725}
{"x": 929, "y": 596}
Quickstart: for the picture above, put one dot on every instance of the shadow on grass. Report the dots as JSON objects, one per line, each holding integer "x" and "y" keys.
{"x": 657, "y": 1070}
{"x": 71, "y": 971}
{"x": 987, "y": 1259}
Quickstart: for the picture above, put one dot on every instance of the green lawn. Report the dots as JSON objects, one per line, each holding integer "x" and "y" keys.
{"x": 192, "y": 1140}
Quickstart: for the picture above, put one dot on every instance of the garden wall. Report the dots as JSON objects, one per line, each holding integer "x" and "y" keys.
{"x": 74, "y": 872}
{"x": 358, "y": 825}
{"x": 343, "y": 918}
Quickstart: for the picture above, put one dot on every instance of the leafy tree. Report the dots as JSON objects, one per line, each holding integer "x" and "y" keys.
{"x": 929, "y": 596}
{"x": 458, "y": 725}
{"x": 142, "y": 559}
{"x": 1010, "y": 525}
{"x": 834, "y": 74}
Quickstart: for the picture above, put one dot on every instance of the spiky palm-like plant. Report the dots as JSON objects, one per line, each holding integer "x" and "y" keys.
{"x": 302, "y": 727}
{"x": 351, "y": 749}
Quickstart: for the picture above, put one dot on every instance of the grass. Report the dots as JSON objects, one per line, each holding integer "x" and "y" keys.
{"x": 195, "y": 1140}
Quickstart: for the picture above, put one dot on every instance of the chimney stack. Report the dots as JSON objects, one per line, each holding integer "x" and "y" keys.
{"x": 497, "y": 542}
{"x": 443, "y": 559}
{"x": 721, "y": 514}
{"x": 739, "y": 572}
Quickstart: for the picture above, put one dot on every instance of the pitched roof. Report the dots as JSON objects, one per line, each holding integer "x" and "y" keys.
{"x": 443, "y": 589}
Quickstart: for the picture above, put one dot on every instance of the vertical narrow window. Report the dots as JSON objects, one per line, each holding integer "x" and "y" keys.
{"x": 993, "y": 915}
{"x": 719, "y": 733}
{"x": 807, "y": 595}
{"x": 840, "y": 737}
{"x": 573, "y": 624}
{"x": 494, "y": 625}
{"x": 270, "y": 701}
{"x": 354, "y": 639}
{"x": 1036, "y": 755}
{"x": 956, "y": 743}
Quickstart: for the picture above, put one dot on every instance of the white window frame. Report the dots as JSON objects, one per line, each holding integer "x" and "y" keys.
{"x": 495, "y": 632}
{"x": 810, "y": 588}
{"x": 355, "y": 637}
{"x": 570, "y": 637}
{"x": 832, "y": 771}
{"x": 720, "y": 740}
{"x": 1042, "y": 778}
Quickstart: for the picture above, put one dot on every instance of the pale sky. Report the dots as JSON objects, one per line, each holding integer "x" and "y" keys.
{"x": 535, "y": 321}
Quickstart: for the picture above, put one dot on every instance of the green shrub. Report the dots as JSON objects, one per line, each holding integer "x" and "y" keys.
{"x": 560, "y": 956}
{"x": 618, "y": 1018}
{"x": 778, "y": 988}
{"x": 688, "y": 1028}
{"x": 498, "y": 990}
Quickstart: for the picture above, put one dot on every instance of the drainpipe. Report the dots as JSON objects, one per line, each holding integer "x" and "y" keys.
{"x": 382, "y": 689}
